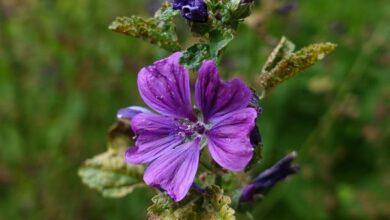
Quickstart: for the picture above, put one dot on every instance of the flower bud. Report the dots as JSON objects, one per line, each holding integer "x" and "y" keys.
{"x": 192, "y": 10}
{"x": 268, "y": 178}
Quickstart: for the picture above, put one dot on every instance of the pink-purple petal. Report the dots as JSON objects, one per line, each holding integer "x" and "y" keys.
{"x": 155, "y": 134}
{"x": 175, "y": 171}
{"x": 216, "y": 97}
{"x": 129, "y": 112}
{"x": 165, "y": 87}
{"x": 229, "y": 139}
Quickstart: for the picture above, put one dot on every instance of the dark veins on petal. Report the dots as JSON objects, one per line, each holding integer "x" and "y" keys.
{"x": 193, "y": 10}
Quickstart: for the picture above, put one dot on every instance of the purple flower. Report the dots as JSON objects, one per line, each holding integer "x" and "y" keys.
{"x": 170, "y": 143}
{"x": 193, "y": 10}
{"x": 280, "y": 171}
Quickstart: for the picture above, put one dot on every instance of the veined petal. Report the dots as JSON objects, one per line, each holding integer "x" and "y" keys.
{"x": 229, "y": 139}
{"x": 155, "y": 134}
{"x": 130, "y": 112}
{"x": 165, "y": 87}
{"x": 175, "y": 170}
{"x": 216, "y": 97}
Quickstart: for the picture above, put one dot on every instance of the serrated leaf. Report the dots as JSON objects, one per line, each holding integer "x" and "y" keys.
{"x": 108, "y": 172}
{"x": 194, "y": 56}
{"x": 279, "y": 70}
{"x": 212, "y": 204}
{"x": 111, "y": 175}
{"x": 159, "y": 30}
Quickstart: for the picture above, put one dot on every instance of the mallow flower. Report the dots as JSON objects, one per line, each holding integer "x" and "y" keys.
{"x": 193, "y": 10}
{"x": 170, "y": 142}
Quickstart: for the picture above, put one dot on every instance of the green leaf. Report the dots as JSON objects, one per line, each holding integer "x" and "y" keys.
{"x": 159, "y": 30}
{"x": 283, "y": 64}
{"x": 108, "y": 172}
{"x": 111, "y": 175}
{"x": 194, "y": 56}
{"x": 219, "y": 39}
{"x": 212, "y": 204}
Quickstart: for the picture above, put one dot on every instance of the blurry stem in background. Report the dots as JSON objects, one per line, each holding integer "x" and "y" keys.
{"x": 352, "y": 78}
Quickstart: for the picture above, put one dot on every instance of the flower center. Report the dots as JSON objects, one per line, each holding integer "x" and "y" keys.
{"x": 188, "y": 129}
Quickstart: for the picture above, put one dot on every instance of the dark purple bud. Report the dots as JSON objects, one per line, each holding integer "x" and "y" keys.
{"x": 268, "y": 178}
{"x": 287, "y": 8}
{"x": 192, "y": 10}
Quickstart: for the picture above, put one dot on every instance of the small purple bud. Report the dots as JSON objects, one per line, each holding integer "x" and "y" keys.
{"x": 268, "y": 178}
{"x": 192, "y": 10}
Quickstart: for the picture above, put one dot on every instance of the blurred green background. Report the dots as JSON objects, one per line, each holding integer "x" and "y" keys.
{"x": 63, "y": 76}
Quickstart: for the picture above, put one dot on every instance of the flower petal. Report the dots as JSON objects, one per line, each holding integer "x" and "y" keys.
{"x": 165, "y": 87}
{"x": 175, "y": 171}
{"x": 130, "y": 112}
{"x": 228, "y": 139}
{"x": 216, "y": 97}
{"x": 155, "y": 134}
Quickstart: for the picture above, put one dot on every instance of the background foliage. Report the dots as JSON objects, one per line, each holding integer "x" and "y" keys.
{"x": 63, "y": 75}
